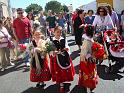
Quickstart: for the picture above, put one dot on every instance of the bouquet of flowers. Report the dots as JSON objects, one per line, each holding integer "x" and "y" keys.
{"x": 50, "y": 47}
{"x": 47, "y": 47}
{"x": 98, "y": 51}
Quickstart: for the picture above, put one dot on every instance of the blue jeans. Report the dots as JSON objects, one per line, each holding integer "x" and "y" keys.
{"x": 27, "y": 57}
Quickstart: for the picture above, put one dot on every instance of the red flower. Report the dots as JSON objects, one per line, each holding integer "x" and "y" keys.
{"x": 98, "y": 50}
{"x": 22, "y": 46}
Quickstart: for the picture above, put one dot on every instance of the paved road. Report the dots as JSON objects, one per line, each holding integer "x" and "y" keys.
{"x": 16, "y": 79}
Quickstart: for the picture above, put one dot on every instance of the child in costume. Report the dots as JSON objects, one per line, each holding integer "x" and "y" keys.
{"x": 62, "y": 69}
{"x": 39, "y": 70}
{"x": 87, "y": 73}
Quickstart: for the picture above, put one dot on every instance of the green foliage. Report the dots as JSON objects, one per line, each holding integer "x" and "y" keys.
{"x": 35, "y": 8}
{"x": 65, "y": 8}
{"x": 50, "y": 47}
{"x": 54, "y": 6}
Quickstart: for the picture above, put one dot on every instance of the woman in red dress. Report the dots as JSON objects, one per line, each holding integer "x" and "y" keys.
{"x": 39, "y": 71}
{"x": 62, "y": 69}
{"x": 88, "y": 74}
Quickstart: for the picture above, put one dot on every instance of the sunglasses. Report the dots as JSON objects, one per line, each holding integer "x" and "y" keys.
{"x": 20, "y": 12}
{"x": 101, "y": 11}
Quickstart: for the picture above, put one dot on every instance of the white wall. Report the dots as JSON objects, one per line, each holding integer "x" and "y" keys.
{"x": 118, "y": 5}
{"x": 5, "y": 8}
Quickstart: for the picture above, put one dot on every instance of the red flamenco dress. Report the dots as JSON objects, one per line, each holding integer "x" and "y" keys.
{"x": 45, "y": 71}
{"x": 62, "y": 69}
{"x": 88, "y": 73}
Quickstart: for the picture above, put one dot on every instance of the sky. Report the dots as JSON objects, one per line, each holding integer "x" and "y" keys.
{"x": 25, "y": 3}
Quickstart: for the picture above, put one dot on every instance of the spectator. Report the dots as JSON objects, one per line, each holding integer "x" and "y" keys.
{"x": 30, "y": 16}
{"x": 8, "y": 26}
{"x": 61, "y": 22}
{"x": 78, "y": 28}
{"x": 51, "y": 21}
{"x": 90, "y": 18}
{"x": 42, "y": 20}
{"x": 122, "y": 23}
{"x": 114, "y": 16}
{"x": 22, "y": 30}
{"x": 4, "y": 50}
{"x": 102, "y": 19}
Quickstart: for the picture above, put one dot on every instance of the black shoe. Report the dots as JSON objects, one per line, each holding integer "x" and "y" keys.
{"x": 38, "y": 85}
{"x": 92, "y": 91}
{"x": 42, "y": 85}
{"x": 67, "y": 87}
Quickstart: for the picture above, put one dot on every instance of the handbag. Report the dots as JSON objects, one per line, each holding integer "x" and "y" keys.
{"x": 10, "y": 43}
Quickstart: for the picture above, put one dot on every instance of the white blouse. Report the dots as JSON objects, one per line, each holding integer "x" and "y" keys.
{"x": 99, "y": 21}
{"x": 4, "y": 36}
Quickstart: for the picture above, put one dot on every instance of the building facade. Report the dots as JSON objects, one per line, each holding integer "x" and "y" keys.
{"x": 5, "y": 9}
{"x": 118, "y": 5}
{"x": 104, "y": 2}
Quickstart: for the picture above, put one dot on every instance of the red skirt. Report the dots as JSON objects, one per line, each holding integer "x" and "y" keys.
{"x": 88, "y": 75}
{"x": 61, "y": 75}
{"x": 44, "y": 75}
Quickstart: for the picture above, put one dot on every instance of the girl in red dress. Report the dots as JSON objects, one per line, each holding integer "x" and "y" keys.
{"x": 39, "y": 70}
{"x": 62, "y": 69}
{"x": 87, "y": 73}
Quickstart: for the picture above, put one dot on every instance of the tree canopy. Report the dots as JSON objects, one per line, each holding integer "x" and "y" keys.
{"x": 65, "y": 8}
{"x": 35, "y": 8}
{"x": 55, "y": 6}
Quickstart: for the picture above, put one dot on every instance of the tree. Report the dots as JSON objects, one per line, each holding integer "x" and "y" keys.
{"x": 65, "y": 8}
{"x": 35, "y": 8}
{"x": 54, "y": 6}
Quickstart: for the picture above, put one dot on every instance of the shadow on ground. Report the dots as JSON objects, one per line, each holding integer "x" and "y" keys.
{"x": 55, "y": 89}
{"x": 18, "y": 66}
{"x": 115, "y": 74}
{"x": 78, "y": 89}
{"x": 72, "y": 43}
{"x": 75, "y": 54}
{"x": 71, "y": 40}
{"x": 77, "y": 69}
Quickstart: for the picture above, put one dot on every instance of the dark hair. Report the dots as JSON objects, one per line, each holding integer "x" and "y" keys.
{"x": 122, "y": 12}
{"x": 80, "y": 11}
{"x": 19, "y": 9}
{"x": 57, "y": 28}
{"x": 102, "y": 7}
{"x": 89, "y": 29}
{"x": 90, "y": 11}
{"x": 31, "y": 15}
{"x": 110, "y": 9}
{"x": 77, "y": 10}
{"x": 1, "y": 22}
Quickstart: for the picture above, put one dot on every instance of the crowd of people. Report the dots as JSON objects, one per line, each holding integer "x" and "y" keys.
{"x": 36, "y": 31}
